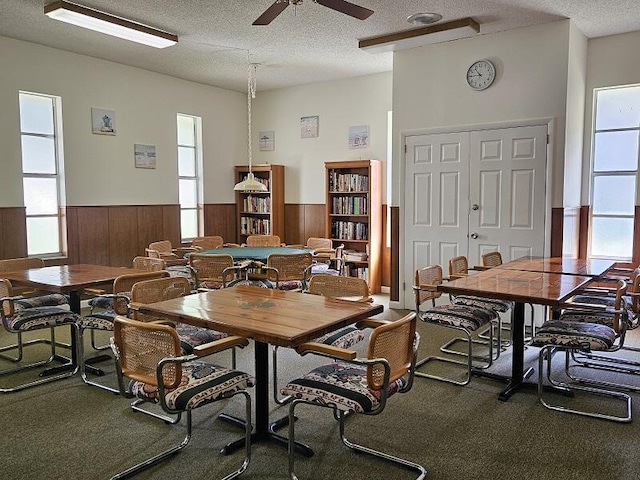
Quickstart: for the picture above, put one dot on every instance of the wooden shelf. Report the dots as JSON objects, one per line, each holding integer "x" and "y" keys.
{"x": 354, "y": 214}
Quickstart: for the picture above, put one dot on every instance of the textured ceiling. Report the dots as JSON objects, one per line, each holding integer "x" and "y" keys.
{"x": 305, "y": 44}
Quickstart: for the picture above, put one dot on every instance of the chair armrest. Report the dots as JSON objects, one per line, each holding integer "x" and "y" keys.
{"x": 427, "y": 287}
{"x": 371, "y": 323}
{"x": 480, "y": 268}
{"x": 326, "y": 350}
{"x": 220, "y": 345}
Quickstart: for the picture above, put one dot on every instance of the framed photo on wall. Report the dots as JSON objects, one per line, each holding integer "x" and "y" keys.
{"x": 309, "y": 126}
{"x": 359, "y": 136}
{"x": 144, "y": 156}
{"x": 103, "y": 122}
{"x": 267, "y": 140}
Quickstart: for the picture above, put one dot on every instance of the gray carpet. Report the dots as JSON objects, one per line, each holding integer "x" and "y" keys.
{"x": 67, "y": 430}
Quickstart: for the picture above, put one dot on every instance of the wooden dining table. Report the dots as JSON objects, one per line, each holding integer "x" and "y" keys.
{"x": 70, "y": 280}
{"x": 519, "y": 286}
{"x": 276, "y": 317}
{"x": 568, "y": 266}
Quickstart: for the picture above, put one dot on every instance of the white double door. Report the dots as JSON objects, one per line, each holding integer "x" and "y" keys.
{"x": 468, "y": 193}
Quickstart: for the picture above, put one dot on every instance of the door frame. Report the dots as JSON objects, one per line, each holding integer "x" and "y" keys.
{"x": 402, "y": 156}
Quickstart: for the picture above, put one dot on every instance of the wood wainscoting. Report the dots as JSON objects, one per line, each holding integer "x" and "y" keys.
{"x": 13, "y": 232}
{"x": 302, "y": 221}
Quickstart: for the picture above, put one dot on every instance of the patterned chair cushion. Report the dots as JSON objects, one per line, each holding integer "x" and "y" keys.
{"x": 192, "y": 336}
{"x": 494, "y": 304}
{"x": 341, "y": 385}
{"x": 601, "y": 318}
{"x": 51, "y": 300}
{"x": 40, "y": 317}
{"x": 98, "y": 321}
{"x": 578, "y": 335}
{"x": 609, "y": 302}
{"x": 469, "y": 317}
{"x": 254, "y": 283}
{"x": 291, "y": 285}
{"x": 344, "y": 338}
{"x": 211, "y": 285}
{"x": 201, "y": 383}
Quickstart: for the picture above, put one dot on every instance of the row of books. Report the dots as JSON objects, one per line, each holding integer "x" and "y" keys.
{"x": 348, "y": 182}
{"x": 355, "y": 256}
{"x": 360, "y": 272}
{"x": 350, "y": 205}
{"x": 264, "y": 181}
{"x": 255, "y": 226}
{"x": 350, "y": 230}
{"x": 251, "y": 204}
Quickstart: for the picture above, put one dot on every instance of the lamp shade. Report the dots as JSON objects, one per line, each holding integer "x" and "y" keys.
{"x": 250, "y": 184}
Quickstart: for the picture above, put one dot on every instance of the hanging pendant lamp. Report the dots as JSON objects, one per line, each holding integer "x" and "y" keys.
{"x": 250, "y": 184}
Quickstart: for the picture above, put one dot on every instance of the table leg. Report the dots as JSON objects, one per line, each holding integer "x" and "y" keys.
{"x": 261, "y": 401}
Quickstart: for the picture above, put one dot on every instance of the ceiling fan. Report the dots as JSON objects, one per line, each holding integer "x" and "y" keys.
{"x": 341, "y": 6}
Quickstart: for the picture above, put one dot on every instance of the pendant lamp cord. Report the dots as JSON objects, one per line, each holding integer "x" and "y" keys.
{"x": 251, "y": 94}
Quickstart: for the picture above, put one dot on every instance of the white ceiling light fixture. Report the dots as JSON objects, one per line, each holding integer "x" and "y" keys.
{"x": 424, "y": 18}
{"x": 250, "y": 184}
{"x": 442, "y": 32}
{"x": 109, "y": 24}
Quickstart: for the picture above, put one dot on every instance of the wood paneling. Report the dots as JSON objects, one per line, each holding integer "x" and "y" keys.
{"x": 583, "y": 229}
{"x": 13, "y": 232}
{"x": 171, "y": 224}
{"x": 385, "y": 254}
{"x": 303, "y": 221}
{"x": 149, "y": 221}
{"x": 636, "y": 237}
{"x": 394, "y": 293}
{"x": 557, "y": 227}
{"x": 93, "y": 235}
{"x": 123, "y": 235}
{"x": 220, "y": 219}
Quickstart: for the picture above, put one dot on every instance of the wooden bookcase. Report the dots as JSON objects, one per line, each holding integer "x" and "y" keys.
{"x": 354, "y": 215}
{"x": 260, "y": 213}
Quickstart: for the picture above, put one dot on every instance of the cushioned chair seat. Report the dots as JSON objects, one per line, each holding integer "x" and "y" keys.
{"x": 201, "y": 383}
{"x": 291, "y": 285}
{"x": 250, "y": 282}
{"x": 340, "y": 384}
{"x": 601, "y": 318}
{"x": 609, "y": 302}
{"x": 344, "y": 338}
{"x": 579, "y": 335}
{"x": 40, "y": 317}
{"x": 496, "y": 305}
{"x": 191, "y": 336}
{"x": 466, "y": 316}
{"x": 50, "y": 300}
{"x": 99, "y": 320}
{"x": 106, "y": 302}
{"x": 211, "y": 285}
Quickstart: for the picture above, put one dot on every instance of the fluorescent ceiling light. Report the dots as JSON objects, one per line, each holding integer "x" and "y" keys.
{"x": 109, "y": 24}
{"x": 441, "y": 32}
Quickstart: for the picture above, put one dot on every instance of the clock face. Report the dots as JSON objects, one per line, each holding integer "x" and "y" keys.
{"x": 481, "y": 74}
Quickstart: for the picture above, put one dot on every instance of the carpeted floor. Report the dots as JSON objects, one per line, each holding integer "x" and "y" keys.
{"x": 67, "y": 430}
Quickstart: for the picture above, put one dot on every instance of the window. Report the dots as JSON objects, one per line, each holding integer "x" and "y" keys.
{"x": 614, "y": 172}
{"x": 40, "y": 130}
{"x": 189, "y": 179}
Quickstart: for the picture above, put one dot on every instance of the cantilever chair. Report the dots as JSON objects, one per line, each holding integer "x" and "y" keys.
{"x": 461, "y": 317}
{"x": 325, "y": 253}
{"x": 592, "y": 328}
{"x": 289, "y": 271}
{"x": 346, "y": 288}
{"x": 207, "y": 243}
{"x": 22, "y": 263}
{"x": 150, "y": 355}
{"x": 211, "y": 271}
{"x": 20, "y": 315}
{"x": 103, "y": 310}
{"x": 148, "y": 264}
{"x": 164, "y": 250}
{"x": 360, "y": 385}
{"x": 263, "y": 241}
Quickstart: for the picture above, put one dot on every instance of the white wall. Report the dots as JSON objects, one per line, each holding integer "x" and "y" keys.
{"x": 100, "y": 169}
{"x": 339, "y": 104}
{"x": 430, "y": 89}
{"x": 611, "y": 61}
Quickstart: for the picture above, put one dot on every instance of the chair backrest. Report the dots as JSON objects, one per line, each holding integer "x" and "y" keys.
{"x": 209, "y": 267}
{"x": 162, "y": 246}
{"x": 263, "y": 241}
{"x": 336, "y": 286}
{"x": 290, "y": 266}
{"x": 142, "y": 345}
{"x": 634, "y": 300}
{"x": 157, "y": 290}
{"x": 395, "y": 342}
{"x": 207, "y": 243}
{"x": 125, "y": 283}
{"x": 619, "y": 323}
{"x": 149, "y": 264}
{"x": 6, "y": 290}
{"x": 491, "y": 259}
{"x": 431, "y": 276}
{"x": 316, "y": 242}
{"x": 17, "y": 264}
{"x": 458, "y": 267}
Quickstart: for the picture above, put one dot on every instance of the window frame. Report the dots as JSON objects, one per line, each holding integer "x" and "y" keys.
{"x": 197, "y": 177}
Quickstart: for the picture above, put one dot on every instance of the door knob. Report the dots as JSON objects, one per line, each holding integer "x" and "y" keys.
{"x": 474, "y": 235}
{"x": 475, "y": 206}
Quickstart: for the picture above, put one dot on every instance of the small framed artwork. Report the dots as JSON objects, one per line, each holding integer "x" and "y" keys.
{"x": 144, "y": 155}
{"x": 267, "y": 140}
{"x": 309, "y": 126}
{"x": 103, "y": 122}
{"x": 359, "y": 136}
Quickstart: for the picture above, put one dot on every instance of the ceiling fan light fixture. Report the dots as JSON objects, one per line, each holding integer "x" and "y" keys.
{"x": 109, "y": 24}
{"x": 424, "y": 18}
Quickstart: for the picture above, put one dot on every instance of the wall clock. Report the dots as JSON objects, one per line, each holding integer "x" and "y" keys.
{"x": 481, "y": 74}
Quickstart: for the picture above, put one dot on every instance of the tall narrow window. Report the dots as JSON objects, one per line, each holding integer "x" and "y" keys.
{"x": 43, "y": 185}
{"x": 189, "y": 178}
{"x": 614, "y": 172}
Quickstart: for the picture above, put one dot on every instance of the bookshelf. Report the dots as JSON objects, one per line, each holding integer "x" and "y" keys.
{"x": 260, "y": 213}
{"x": 354, "y": 216}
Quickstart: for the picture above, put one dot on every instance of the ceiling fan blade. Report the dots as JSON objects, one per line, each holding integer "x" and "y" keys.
{"x": 271, "y": 13}
{"x": 347, "y": 8}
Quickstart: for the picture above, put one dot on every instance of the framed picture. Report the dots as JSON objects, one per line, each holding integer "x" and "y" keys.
{"x": 144, "y": 156}
{"x": 103, "y": 122}
{"x": 359, "y": 136}
{"x": 309, "y": 126}
{"x": 267, "y": 140}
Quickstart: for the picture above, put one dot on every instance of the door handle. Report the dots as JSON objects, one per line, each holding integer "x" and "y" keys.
{"x": 474, "y": 235}
{"x": 475, "y": 206}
